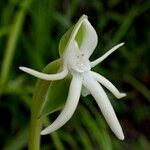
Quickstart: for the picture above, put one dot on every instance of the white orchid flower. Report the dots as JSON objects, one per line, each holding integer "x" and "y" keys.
{"x": 76, "y": 62}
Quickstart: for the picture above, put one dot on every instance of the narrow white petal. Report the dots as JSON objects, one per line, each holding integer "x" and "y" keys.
{"x": 45, "y": 76}
{"x": 89, "y": 40}
{"x": 99, "y": 60}
{"x": 104, "y": 104}
{"x": 69, "y": 108}
{"x": 107, "y": 84}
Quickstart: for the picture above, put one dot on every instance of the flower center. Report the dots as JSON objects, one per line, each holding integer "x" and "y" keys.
{"x": 78, "y": 61}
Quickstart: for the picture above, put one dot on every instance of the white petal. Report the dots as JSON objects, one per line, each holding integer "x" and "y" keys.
{"x": 69, "y": 108}
{"x": 104, "y": 104}
{"x": 45, "y": 76}
{"x": 89, "y": 39}
{"x": 99, "y": 60}
{"x": 107, "y": 84}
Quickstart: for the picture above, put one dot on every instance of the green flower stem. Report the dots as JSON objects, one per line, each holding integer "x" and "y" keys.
{"x": 36, "y": 123}
{"x": 12, "y": 42}
{"x": 35, "y": 137}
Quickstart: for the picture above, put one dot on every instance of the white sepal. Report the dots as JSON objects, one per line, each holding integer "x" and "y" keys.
{"x": 90, "y": 39}
{"x": 99, "y": 60}
{"x": 44, "y": 76}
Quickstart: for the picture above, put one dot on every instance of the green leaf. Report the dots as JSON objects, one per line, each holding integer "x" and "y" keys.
{"x": 79, "y": 35}
{"x": 56, "y": 96}
{"x": 74, "y": 33}
{"x": 42, "y": 87}
{"x": 64, "y": 40}
{"x": 51, "y": 95}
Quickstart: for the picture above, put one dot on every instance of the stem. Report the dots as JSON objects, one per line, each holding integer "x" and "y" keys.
{"x": 36, "y": 123}
{"x": 35, "y": 137}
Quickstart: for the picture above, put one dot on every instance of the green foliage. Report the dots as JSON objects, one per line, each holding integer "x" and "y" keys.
{"x": 42, "y": 87}
{"x": 29, "y": 35}
{"x": 64, "y": 41}
{"x": 56, "y": 96}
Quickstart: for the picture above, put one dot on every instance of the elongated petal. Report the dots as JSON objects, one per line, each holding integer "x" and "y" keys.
{"x": 89, "y": 39}
{"x": 107, "y": 84}
{"x": 69, "y": 108}
{"x": 45, "y": 76}
{"x": 104, "y": 104}
{"x": 99, "y": 60}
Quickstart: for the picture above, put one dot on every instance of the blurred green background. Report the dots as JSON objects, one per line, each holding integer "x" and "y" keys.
{"x": 30, "y": 31}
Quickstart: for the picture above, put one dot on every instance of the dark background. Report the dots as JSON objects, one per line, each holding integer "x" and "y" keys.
{"x": 30, "y": 31}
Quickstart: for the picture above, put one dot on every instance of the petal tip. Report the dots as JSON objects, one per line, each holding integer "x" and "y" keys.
{"x": 21, "y": 68}
{"x": 121, "y": 95}
{"x": 121, "y": 137}
{"x": 122, "y": 43}
{"x": 44, "y": 132}
{"x": 84, "y": 16}
{"x": 120, "y": 134}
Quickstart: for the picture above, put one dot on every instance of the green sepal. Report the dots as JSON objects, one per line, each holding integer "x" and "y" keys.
{"x": 79, "y": 35}
{"x": 74, "y": 33}
{"x": 64, "y": 40}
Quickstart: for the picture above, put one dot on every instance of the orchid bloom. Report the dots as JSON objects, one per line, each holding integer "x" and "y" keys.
{"x": 76, "y": 62}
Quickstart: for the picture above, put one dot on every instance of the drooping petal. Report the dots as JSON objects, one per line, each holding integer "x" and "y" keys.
{"x": 89, "y": 38}
{"x": 107, "y": 84}
{"x": 104, "y": 104}
{"x": 99, "y": 60}
{"x": 69, "y": 108}
{"x": 44, "y": 76}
